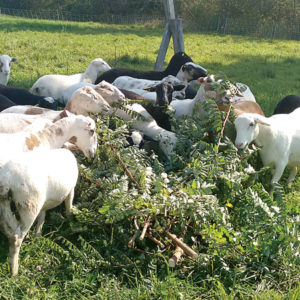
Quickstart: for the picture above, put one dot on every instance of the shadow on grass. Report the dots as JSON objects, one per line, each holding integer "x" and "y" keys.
{"x": 19, "y": 24}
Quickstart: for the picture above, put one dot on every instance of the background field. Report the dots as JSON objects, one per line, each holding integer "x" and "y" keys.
{"x": 269, "y": 67}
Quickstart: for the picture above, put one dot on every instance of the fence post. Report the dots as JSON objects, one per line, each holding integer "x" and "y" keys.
{"x": 173, "y": 28}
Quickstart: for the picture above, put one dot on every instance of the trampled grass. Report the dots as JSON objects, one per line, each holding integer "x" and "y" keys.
{"x": 269, "y": 67}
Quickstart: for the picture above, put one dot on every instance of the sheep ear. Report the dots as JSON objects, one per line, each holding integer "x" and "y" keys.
{"x": 150, "y": 88}
{"x": 262, "y": 120}
{"x": 238, "y": 93}
{"x": 179, "y": 87}
{"x": 64, "y": 114}
{"x": 13, "y": 59}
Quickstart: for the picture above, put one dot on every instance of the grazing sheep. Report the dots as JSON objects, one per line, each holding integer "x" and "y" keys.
{"x": 38, "y": 181}
{"x": 187, "y": 72}
{"x": 5, "y": 64}
{"x": 279, "y": 137}
{"x": 108, "y": 91}
{"x": 5, "y": 103}
{"x": 15, "y": 122}
{"x": 79, "y": 130}
{"x": 53, "y": 85}
{"x": 84, "y": 101}
{"x": 139, "y": 86}
{"x": 164, "y": 91}
{"x": 287, "y": 105}
{"x": 147, "y": 125}
{"x": 219, "y": 91}
{"x": 23, "y": 97}
{"x": 173, "y": 68}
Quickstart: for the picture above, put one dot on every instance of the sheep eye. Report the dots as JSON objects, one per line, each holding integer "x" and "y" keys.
{"x": 91, "y": 132}
{"x": 251, "y": 124}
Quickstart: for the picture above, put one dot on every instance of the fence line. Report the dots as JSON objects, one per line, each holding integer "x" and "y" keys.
{"x": 191, "y": 22}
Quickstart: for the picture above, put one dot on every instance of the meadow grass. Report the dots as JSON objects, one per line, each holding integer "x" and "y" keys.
{"x": 269, "y": 67}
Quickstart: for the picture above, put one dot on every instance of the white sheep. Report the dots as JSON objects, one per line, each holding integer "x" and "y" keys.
{"x": 53, "y": 85}
{"x": 147, "y": 125}
{"x": 137, "y": 85}
{"x": 108, "y": 91}
{"x": 209, "y": 89}
{"x": 279, "y": 137}
{"x": 5, "y": 64}
{"x": 77, "y": 129}
{"x": 38, "y": 181}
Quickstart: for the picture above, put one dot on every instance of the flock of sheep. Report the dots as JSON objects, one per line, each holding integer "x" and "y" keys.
{"x": 31, "y": 128}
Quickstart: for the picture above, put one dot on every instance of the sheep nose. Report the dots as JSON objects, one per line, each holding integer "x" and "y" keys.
{"x": 239, "y": 145}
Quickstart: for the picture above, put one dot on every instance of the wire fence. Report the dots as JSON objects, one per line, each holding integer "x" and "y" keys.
{"x": 191, "y": 22}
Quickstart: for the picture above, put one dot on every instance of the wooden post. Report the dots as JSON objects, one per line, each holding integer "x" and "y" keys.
{"x": 173, "y": 28}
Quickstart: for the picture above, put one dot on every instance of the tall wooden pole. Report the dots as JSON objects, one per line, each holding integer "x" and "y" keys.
{"x": 173, "y": 28}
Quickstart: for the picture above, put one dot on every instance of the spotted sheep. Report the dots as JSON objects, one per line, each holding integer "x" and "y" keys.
{"x": 51, "y": 136}
{"x": 108, "y": 91}
{"x": 35, "y": 182}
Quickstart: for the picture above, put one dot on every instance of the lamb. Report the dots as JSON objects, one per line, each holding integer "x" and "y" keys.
{"x": 177, "y": 60}
{"x": 84, "y": 101}
{"x": 23, "y": 97}
{"x": 211, "y": 89}
{"x": 279, "y": 137}
{"x": 79, "y": 130}
{"x": 139, "y": 86}
{"x": 38, "y": 181}
{"x": 164, "y": 91}
{"x": 5, "y": 64}
{"x": 53, "y": 85}
{"x": 108, "y": 91}
{"x": 147, "y": 125}
{"x": 187, "y": 72}
{"x": 287, "y": 104}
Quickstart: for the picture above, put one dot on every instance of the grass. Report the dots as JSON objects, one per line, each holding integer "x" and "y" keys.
{"x": 269, "y": 67}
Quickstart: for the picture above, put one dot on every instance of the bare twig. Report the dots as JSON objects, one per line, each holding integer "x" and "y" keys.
{"x": 176, "y": 256}
{"x": 223, "y": 125}
{"x": 132, "y": 240}
{"x": 125, "y": 167}
{"x": 156, "y": 241}
{"x": 182, "y": 245}
{"x": 147, "y": 223}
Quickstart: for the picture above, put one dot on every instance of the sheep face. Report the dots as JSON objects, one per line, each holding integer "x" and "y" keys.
{"x": 5, "y": 64}
{"x": 192, "y": 71}
{"x": 247, "y": 128}
{"x": 178, "y": 93}
{"x": 218, "y": 90}
{"x": 86, "y": 136}
{"x": 109, "y": 92}
{"x": 91, "y": 101}
{"x": 100, "y": 65}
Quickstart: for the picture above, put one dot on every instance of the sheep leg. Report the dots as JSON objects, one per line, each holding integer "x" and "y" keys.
{"x": 69, "y": 203}
{"x": 292, "y": 175}
{"x": 15, "y": 243}
{"x": 8, "y": 221}
{"x": 40, "y": 222}
{"x": 279, "y": 168}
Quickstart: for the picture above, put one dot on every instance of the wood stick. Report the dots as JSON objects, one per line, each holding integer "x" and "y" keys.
{"x": 153, "y": 239}
{"x": 132, "y": 240}
{"x": 147, "y": 223}
{"x": 125, "y": 167}
{"x": 223, "y": 125}
{"x": 176, "y": 256}
{"x": 182, "y": 245}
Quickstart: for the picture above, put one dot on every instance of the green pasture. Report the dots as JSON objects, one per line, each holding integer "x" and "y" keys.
{"x": 84, "y": 256}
